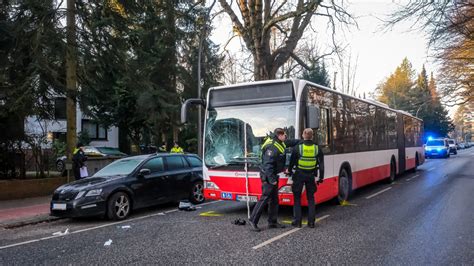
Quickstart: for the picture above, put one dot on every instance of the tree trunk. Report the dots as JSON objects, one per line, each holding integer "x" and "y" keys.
{"x": 71, "y": 79}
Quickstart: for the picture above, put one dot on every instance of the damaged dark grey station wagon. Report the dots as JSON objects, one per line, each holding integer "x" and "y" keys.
{"x": 131, "y": 183}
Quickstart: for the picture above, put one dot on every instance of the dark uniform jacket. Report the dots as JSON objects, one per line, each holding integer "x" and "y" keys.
{"x": 273, "y": 161}
{"x": 295, "y": 156}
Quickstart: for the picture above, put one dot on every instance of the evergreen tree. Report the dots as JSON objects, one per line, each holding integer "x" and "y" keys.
{"x": 400, "y": 92}
{"x": 317, "y": 73}
{"x": 395, "y": 90}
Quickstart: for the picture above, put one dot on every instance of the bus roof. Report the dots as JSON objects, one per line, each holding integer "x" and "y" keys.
{"x": 369, "y": 101}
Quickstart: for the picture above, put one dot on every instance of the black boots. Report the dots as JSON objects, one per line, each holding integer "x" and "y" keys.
{"x": 276, "y": 225}
{"x": 296, "y": 224}
{"x": 254, "y": 227}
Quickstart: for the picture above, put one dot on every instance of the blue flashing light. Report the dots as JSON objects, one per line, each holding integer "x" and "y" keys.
{"x": 440, "y": 150}
{"x": 430, "y": 138}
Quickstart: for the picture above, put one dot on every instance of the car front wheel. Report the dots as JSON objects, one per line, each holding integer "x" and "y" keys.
{"x": 197, "y": 193}
{"x": 118, "y": 206}
{"x": 60, "y": 166}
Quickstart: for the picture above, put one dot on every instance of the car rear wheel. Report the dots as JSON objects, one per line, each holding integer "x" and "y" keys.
{"x": 197, "y": 193}
{"x": 118, "y": 206}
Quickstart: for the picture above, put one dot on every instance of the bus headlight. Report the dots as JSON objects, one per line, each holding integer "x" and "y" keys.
{"x": 210, "y": 185}
{"x": 285, "y": 189}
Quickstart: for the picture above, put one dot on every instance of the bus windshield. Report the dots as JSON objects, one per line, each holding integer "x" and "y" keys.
{"x": 226, "y": 128}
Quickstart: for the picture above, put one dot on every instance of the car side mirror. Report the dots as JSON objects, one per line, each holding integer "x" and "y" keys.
{"x": 312, "y": 116}
{"x": 144, "y": 172}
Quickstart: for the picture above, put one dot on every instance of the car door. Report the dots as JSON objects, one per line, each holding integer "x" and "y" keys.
{"x": 154, "y": 187}
{"x": 180, "y": 176}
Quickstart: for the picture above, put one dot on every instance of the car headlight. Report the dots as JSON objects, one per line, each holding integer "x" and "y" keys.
{"x": 80, "y": 194}
{"x": 94, "y": 192}
{"x": 285, "y": 189}
{"x": 428, "y": 149}
{"x": 210, "y": 185}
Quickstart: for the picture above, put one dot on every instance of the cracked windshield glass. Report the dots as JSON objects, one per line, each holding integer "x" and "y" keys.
{"x": 227, "y": 126}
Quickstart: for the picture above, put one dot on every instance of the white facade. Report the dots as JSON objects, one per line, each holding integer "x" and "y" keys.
{"x": 35, "y": 127}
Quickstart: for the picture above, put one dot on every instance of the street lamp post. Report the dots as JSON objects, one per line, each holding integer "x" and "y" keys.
{"x": 202, "y": 36}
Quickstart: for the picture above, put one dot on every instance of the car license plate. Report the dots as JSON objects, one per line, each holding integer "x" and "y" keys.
{"x": 244, "y": 198}
{"x": 59, "y": 206}
{"x": 226, "y": 195}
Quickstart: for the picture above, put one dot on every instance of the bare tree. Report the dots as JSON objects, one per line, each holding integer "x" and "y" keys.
{"x": 258, "y": 18}
{"x": 348, "y": 72}
{"x": 450, "y": 26}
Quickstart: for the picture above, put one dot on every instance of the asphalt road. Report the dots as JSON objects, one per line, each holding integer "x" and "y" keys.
{"x": 423, "y": 218}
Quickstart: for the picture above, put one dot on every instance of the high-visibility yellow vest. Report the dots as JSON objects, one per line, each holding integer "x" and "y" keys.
{"x": 269, "y": 141}
{"x": 177, "y": 150}
{"x": 308, "y": 160}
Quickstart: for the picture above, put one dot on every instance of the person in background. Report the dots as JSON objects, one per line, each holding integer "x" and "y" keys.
{"x": 176, "y": 148}
{"x": 78, "y": 159}
{"x": 162, "y": 148}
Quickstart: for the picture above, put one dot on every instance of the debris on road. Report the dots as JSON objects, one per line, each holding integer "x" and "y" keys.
{"x": 126, "y": 226}
{"x": 239, "y": 221}
{"x": 186, "y": 206}
{"x": 61, "y": 233}
{"x": 108, "y": 243}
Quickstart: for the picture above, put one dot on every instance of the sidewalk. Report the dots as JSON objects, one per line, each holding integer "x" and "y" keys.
{"x": 24, "y": 211}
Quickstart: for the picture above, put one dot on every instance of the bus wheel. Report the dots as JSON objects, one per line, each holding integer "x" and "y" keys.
{"x": 393, "y": 172}
{"x": 417, "y": 163}
{"x": 344, "y": 186}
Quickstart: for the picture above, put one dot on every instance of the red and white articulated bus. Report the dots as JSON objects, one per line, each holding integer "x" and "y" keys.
{"x": 364, "y": 141}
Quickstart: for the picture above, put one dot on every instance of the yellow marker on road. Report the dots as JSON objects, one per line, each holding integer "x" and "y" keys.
{"x": 210, "y": 214}
{"x": 346, "y": 203}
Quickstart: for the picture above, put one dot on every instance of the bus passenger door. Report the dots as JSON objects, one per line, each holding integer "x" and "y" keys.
{"x": 401, "y": 144}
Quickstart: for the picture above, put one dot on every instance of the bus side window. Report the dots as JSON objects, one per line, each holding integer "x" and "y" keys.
{"x": 321, "y": 136}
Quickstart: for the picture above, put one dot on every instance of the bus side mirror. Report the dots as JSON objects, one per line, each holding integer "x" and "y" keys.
{"x": 312, "y": 116}
{"x": 187, "y": 104}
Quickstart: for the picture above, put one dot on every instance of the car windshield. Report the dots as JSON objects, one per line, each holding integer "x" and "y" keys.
{"x": 435, "y": 143}
{"x": 120, "y": 167}
{"x": 451, "y": 141}
{"x": 228, "y": 129}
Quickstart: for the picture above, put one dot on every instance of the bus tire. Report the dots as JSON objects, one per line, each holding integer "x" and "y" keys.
{"x": 417, "y": 163}
{"x": 393, "y": 172}
{"x": 344, "y": 186}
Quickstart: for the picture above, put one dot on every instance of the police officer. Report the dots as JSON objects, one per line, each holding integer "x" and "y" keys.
{"x": 78, "y": 159}
{"x": 176, "y": 148}
{"x": 162, "y": 148}
{"x": 307, "y": 158}
{"x": 273, "y": 162}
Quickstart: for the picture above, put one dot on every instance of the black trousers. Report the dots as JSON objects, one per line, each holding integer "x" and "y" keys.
{"x": 77, "y": 173}
{"x": 270, "y": 197}
{"x": 308, "y": 180}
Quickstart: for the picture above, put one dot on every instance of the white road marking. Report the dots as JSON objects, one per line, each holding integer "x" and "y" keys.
{"x": 412, "y": 177}
{"x": 93, "y": 228}
{"x": 380, "y": 192}
{"x": 432, "y": 168}
{"x": 284, "y": 234}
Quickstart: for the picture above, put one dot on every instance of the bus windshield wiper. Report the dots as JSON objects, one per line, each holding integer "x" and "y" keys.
{"x": 245, "y": 159}
{"x": 227, "y": 164}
